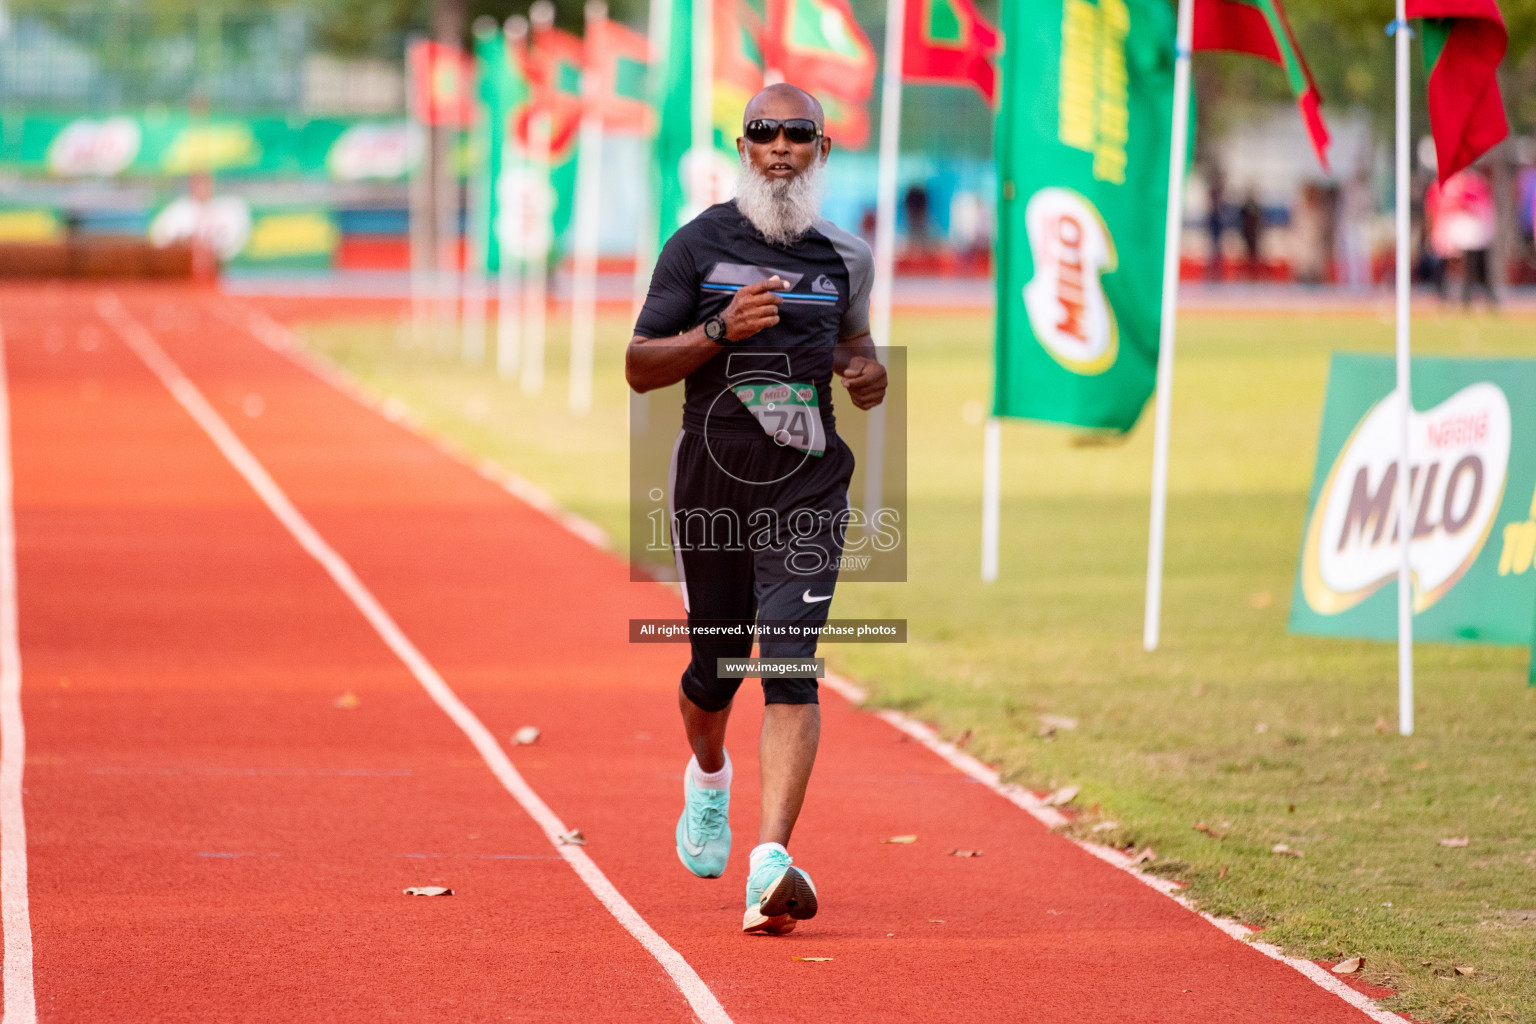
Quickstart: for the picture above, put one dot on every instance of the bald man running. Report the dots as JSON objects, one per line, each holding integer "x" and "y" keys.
{"x": 754, "y": 305}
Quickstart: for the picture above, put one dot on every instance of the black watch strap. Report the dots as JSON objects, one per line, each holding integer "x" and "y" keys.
{"x": 714, "y": 330}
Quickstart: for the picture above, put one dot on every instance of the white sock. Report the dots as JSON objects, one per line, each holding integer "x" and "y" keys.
{"x": 762, "y": 850}
{"x": 710, "y": 780}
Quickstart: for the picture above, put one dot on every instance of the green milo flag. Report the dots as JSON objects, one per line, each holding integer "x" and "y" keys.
{"x": 500, "y": 91}
{"x": 1471, "y": 478}
{"x": 685, "y": 182}
{"x": 1083, "y": 135}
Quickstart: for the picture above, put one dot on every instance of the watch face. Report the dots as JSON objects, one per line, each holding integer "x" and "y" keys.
{"x": 714, "y": 328}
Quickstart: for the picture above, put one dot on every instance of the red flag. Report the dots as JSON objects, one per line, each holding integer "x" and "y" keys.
{"x": 552, "y": 63}
{"x": 440, "y": 83}
{"x": 617, "y": 60}
{"x": 947, "y": 42}
{"x": 819, "y": 46}
{"x": 1464, "y": 40}
{"x": 1260, "y": 28}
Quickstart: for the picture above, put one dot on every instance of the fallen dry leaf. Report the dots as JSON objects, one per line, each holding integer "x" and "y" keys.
{"x": 526, "y": 735}
{"x": 1222, "y": 873}
{"x": 1455, "y": 841}
{"x": 1349, "y": 966}
{"x": 1049, "y": 724}
{"x": 1259, "y": 600}
{"x": 1260, "y": 728}
{"x": 1146, "y": 856}
{"x": 1420, "y": 766}
{"x": 900, "y": 840}
{"x": 1286, "y": 851}
{"x": 1201, "y": 826}
{"x": 347, "y": 701}
{"x": 1466, "y": 972}
{"x": 965, "y": 853}
{"x": 1105, "y": 826}
{"x": 1382, "y": 726}
{"x": 428, "y": 890}
{"x": 571, "y": 838}
{"x": 1063, "y": 796}
{"x": 812, "y": 959}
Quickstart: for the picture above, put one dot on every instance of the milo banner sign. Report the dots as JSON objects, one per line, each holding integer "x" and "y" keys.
{"x": 1471, "y": 493}
{"x": 1083, "y": 132}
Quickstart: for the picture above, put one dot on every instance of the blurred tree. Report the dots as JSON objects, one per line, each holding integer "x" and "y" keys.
{"x": 348, "y": 27}
{"x": 1351, "y": 57}
{"x": 379, "y": 26}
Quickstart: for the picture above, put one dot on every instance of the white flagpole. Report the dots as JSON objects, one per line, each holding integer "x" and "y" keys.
{"x": 659, "y": 30}
{"x": 1173, "y": 229}
{"x": 536, "y": 280}
{"x": 419, "y": 149}
{"x": 1404, "y": 391}
{"x": 589, "y": 185}
{"x": 447, "y": 198}
{"x": 510, "y": 208}
{"x": 885, "y": 245}
{"x": 476, "y": 295}
{"x": 701, "y": 165}
{"x": 991, "y": 496}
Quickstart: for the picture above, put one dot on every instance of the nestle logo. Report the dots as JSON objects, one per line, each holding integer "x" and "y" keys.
{"x": 1458, "y": 430}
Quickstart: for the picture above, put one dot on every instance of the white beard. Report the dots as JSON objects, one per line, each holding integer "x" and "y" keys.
{"x": 782, "y": 209}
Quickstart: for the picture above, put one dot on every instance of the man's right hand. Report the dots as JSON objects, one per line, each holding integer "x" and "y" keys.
{"x": 754, "y": 308}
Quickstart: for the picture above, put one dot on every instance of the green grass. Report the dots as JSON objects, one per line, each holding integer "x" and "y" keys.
{"x": 1267, "y": 737}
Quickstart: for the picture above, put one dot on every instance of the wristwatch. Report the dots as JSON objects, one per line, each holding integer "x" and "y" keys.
{"x": 714, "y": 329}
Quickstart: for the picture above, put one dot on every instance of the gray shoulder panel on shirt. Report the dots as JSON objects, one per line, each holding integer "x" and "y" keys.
{"x": 861, "y": 275}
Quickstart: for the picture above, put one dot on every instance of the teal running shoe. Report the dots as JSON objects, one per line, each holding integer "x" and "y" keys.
{"x": 704, "y": 830}
{"x": 778, "y": 895}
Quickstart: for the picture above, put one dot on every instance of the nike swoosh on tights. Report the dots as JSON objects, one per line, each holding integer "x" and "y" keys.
{"x": 808, "y": 599}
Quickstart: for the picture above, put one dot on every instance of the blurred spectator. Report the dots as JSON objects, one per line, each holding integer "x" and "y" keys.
{"x": 1310, "y": 228}
{"x": 965, "y": 219}
{"x": 1250, "y": 223}
{"x": 1462, "y": 225}
{"x": 916, "y": 203}
{"x": 867, "y": 224}
{"x": 1215, "y": 223}
{"x": 1352, "y": 237}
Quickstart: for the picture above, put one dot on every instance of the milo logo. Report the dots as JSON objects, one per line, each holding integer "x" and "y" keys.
{"x": 806, "y": 394}
{"x": 745, "y": 394}
{"x": 1072, "y": 249}
{"x": 1458, "y": 459}
{"x": 87, "y": 146}
{"x": 778, "y": 393}
{"x": 375, "y": 151}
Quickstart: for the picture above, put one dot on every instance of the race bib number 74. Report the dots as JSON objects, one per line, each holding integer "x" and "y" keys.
{"x": 789, "y": 413}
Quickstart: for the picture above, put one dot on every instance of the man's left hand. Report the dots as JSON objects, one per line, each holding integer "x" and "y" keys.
{"x": 865, "y": 380}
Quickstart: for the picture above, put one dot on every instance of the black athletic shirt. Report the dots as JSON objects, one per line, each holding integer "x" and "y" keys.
{"x": 828, "y": 274}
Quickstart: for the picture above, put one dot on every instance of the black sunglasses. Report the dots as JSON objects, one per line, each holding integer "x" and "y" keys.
{"x": 800, "y": 130}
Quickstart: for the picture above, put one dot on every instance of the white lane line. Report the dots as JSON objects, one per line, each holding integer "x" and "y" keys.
{"x": 15, "y": 910}
{"x": 280, "y": 339}
{"x": 143, "y": 344}
{"x": 1052, "y": 818}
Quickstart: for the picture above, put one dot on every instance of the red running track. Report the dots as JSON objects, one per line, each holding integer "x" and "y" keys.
{"x": 212, "y": 838}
